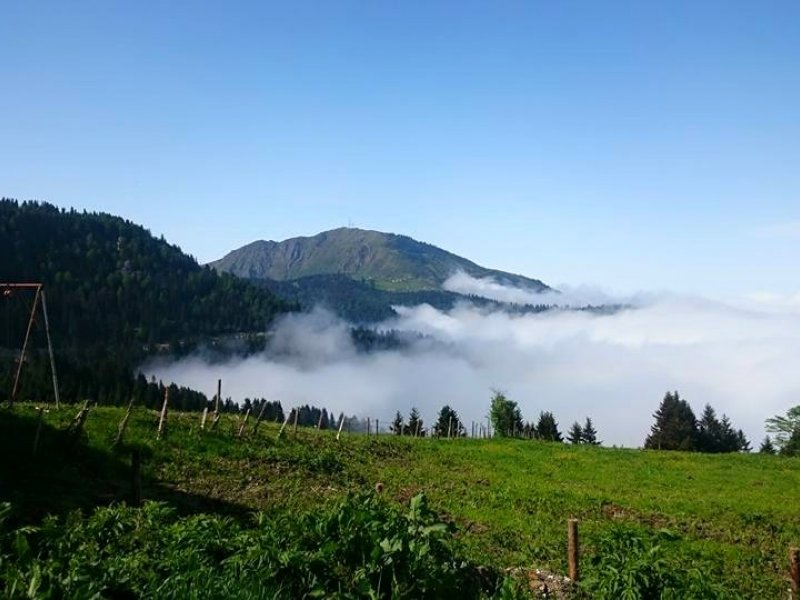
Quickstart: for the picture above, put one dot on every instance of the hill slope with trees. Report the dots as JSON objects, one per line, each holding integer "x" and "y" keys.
{"x": 114, "y": 293}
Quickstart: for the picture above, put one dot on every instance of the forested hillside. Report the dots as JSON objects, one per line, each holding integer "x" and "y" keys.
{"x": 362, "y": 302}
{"x": 114, "y": 294}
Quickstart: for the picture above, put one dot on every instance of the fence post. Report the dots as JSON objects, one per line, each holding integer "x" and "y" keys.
{"x": 163, "y": 418}
{"x": 240, "y": 433}
{"x": 123, "y": 425}
{"x": 260, "y": 416}
{"x": 794, "y": 572}
{"x": 285, "y": 423}
{"x": 296, "y": 416}
{"x": 573, "y": 548}
{"x": 341, "y": 424}
{"x": 369, "y": 426}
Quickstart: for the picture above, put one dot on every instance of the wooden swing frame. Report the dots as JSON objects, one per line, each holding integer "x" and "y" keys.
{"x": 38, "y": 299}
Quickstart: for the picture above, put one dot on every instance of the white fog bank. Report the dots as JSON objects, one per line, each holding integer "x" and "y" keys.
{"x": 614, "y": 368}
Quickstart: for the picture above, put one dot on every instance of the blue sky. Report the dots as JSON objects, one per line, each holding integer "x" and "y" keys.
{"x": 632, "y": 145}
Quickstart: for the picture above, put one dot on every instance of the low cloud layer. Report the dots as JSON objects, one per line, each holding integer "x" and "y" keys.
{"x": 614, "y": 368}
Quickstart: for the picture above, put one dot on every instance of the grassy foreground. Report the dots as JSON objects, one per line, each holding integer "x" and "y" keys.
{"x": 730, "y": 517}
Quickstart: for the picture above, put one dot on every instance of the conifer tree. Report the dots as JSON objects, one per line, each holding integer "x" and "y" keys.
{"x": 767, "y": 447}
{"x": 547, "y": 428}
{"x": 415, "y": 424}
{"x": 589, "y": 433}
{"x": 448, "y": 424}
{"x": 575, "y": 434}
{"x": 675, "y": 427}
{"x": 397, "y": 427}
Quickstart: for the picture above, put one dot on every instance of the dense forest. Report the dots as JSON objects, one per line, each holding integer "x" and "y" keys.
{"x": 361, "y": 302}
{"x": 115, "y": 294}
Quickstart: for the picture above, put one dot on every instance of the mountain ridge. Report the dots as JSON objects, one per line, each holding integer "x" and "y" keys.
{"x": 388, "y": 261}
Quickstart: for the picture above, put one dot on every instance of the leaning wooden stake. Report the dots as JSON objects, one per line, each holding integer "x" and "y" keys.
{"x": 163, "y": 418}
{"x": 203, "y": 419}
{"x": 244, "y": 424}
{"x": 215, "y": 421}
{"x": 39, "y": 422}
{"x": 260, "y": 416}
{"x": 123, "y": 425}
{"x": 341, "y": 424}
{"x": 573, "y": 549}
{"x": 76, "y": 426}
{"x": 285, "y": 423}
{"x": 794, "y": 572}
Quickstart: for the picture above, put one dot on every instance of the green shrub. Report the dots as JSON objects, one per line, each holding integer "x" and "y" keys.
{"x": 362, "y": 548}
{"x": 632, "y": 564}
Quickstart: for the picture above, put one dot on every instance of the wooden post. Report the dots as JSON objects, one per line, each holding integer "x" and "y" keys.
{"x": 285, "y": 423}
{"x": 377, "y": 427}
{"x": 136, "y": 477}
{"x": 419, "y": 424}
{"x": 123, "y": 425}
{"x": 75, "y": 428}
{"x": 203, "y": 419}
{"x": 243, "y": 425}
{"x": 260, "y": 416}
{"x": 50, "y": 350}
{"x": 794, "y": 572}
{"x": 341, "y": 424}
{"x": 219, "y": 396}
{"x": 162, "y": 419}
{"x": 369, "y": 426}
{"x": 449, "y": 426}
{"x": 296, "y": 416}
{"x": 39, "y": 422}
{"x": 573, "y": 549}
{"x": 215, "y": 421}
{"x": 24, "y": 347}
{"x": 319, "y": 423}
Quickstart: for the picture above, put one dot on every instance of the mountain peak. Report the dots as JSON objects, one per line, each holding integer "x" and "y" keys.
{"x": 390, "y": 261}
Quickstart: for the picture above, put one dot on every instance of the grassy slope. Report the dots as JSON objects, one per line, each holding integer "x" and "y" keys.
{"x": 735, "y": 514}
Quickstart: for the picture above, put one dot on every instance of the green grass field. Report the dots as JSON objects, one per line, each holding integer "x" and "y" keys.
{"x": 732, "y": 517}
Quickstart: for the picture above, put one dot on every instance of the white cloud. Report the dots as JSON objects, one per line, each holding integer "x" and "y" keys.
{"x": 614, "y": 368}
{"x": 488, "y": 287}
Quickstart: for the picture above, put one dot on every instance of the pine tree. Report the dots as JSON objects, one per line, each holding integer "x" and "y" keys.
{"x": 415, "y": 424}
{"x": 547, "y": 428}
{"x": 742, "y": 443}
{"x": 767, "y": 447}
{"x": 675, "y": 427}
{"x": 710, "y": 432}
{"x": 397, "y": 427}
{"x": 589, "y": 433}
{"x": 448, "y": 424}
{"x": 575, "y": 435}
